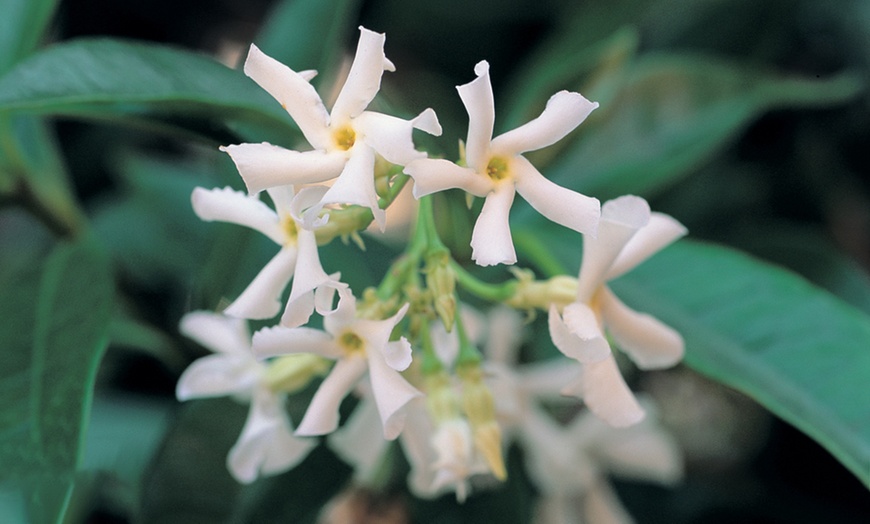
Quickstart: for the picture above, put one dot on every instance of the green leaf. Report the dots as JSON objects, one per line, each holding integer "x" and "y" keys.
{"x": 21, "y": 27}
{"x": 56, "y": 313}
{"x": 136, "y": 82}
{"x": 794, "y": 348}
{"x": 309, "y": 34}
{"x": 671, "y": 115}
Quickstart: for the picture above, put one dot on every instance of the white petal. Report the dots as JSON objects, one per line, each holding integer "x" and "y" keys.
{"x": 642, "y": 452}
{"x": 219, "y": 376}
{"x": 391, "y": 137}
{"x": 356, "y": 184}
{"x": 324, "y": 295}
{"x": 228, "y": 205}
{"x": 607, "y": 395}
{"x": 546, "y": 379}
{"x": 392, "y": 394}
{"x": 376, "y": 333}
{"x": 282, "y": 197}
{"x": 505, "y": 335}
{"x": 621, "y": 218}
{"x": 650, "y": 343}
{"x": 262, "y": 298}
{"x": 306, "y": 199}
{"x": 561, "y": 205}
{"x": 661, "y": 231}
{"x": 433, "y": 175}
{"x": 264, "y": 165}
{"x": 364, "y": 79}
{"x": 360, "y": 441}
{"x": 278, "y": 340}
{"x": 577, "y": 335}
{"x": 344, "y": 314}
{"x": 308, "y": 276}
{"x": 217, "y": 332}
{"x": 480, "y": 105}
{"x": 267, "y": 444}
{"x": 321, "y": 417}
{"x": 295, "y": 94}
{"x": 564, "y": 112}
{"x": 397, "y": 354}
{"x": 491, "y": 241}
{"x": 446, "y": 345}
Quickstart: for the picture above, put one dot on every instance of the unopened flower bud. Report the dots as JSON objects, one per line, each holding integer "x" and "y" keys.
{"x": 531, "y": 293}
{"x": 479, "y": 407}
{"x": 441, "y": 281}
{"x": 292, "y": 373}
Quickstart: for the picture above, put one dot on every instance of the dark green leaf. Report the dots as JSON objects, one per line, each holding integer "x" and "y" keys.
{"x": 671, "y": 114}
{"x": 21, "y": 27}
{"x": 135, "y": 82}
{"x": 768, "y": 333}
{"x": 56, "y": 313}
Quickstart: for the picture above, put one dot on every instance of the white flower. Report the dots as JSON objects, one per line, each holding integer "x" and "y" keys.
{"x": 358, "y": 345}
{"x": 345, "y": 140}
{"x": 298, "y": 258}
{"x": 267, "y": 444}
{"x": 628, "y": 234}
{"x": 497, "y": 170}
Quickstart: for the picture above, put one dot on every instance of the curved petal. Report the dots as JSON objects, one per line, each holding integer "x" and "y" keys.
{"x": 491, "y": 241}
{"x": 360, "y": 442}
{"x": 321, "y": 417}
{"x": 344, "y": 314}
{"x": 295, "y": 94}
{"x": 480, "y": 105}
{"x": 607, "y": 395}
{"x": 565, "y": 111}
{"x": 660, "y": 232}
{"x": 392, "y": 394}
{"x": 650, "y": 343}
{"x": 282, "y": 198}
{"x": 364, "y": 79}
{"x": 261, "y": 299}
{"x": 267, "y": 445}
{"x": 433, "y": 175}
{"x": 228, "y": 205}
{"x": 264, "y": 165}
{"x": 391, "y": 137}
{"x": 356, "y": 184}
{"x": 308, "y": 276}
{"x": 376, "y": 333}
{"x": 576, "y": 334}
{"x": 279, "y": 340}
{"x": 324, "y": 295}
{"x": 398, "y": 354}
{"x": 304, "y": 200}
{"x": 621, "y": 218}
{"x": 559, "y": 204}
{"x": 219, "y": 376}
{"x": 217, "y": 332}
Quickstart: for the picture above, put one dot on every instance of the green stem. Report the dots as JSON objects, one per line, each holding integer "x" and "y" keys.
{"x": 484, "y": 290}
{"x": 534, "y": 249}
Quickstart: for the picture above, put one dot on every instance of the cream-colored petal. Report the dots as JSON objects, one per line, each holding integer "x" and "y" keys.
{"x": 219, "y": 376}
{"x": 643, "y": 452}
{"x": 392, "y": 394}
{"x": 546, "y": 379}
{"x": 228, "y": 205}
{"x": 279, "y": 340}
{"x": 364, "y": 79}
{"x": 434, "y": 175}
{"x": 561, "y": 205}
{"x": 607, "y": 395}
{"x": 661, "y": 231}
{"x": 321, "y": 417}
{"x": 480, "y": 105}
{"x": 264, "y": 165}
{"x": 295, "y": 94}
{"x": 217, "y": 332}
{"x": 356, "y": 184}
{"x": 360, "y": 441}
{"x": 564, "y": 112}
{"x": 391, "y": 137}
{"x": 588, "y": 346}
{"x": 262, "y": 298}
{"x": 267, "y": 445}
{"x": 491, "y": 241}
{"x": 621, "y": 218}
{"x": 650, "y": 343}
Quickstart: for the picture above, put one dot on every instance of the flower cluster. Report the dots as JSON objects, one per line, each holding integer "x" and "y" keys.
{"x": 408, "y": 347}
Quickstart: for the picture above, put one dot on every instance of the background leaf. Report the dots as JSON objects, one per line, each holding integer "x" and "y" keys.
{"x": 21, "y": 27}
{"x": 56, "y": 312}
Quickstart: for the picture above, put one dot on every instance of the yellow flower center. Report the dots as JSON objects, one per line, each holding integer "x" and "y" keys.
{"x": 291, "y": 230}
{"x": 344, "y": 137}
{"x": 498, "y": 168}
{"x": 351, "y": 343}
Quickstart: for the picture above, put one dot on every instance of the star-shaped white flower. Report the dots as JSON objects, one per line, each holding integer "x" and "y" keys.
{"x": 627, "y": 235}
{"x": 357, "y": 345}
{"x": 345, "y": 140}
{"x": 497, "y": 170}
{"x": 298, "y": 258}
{"x": 267, "y": 444}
